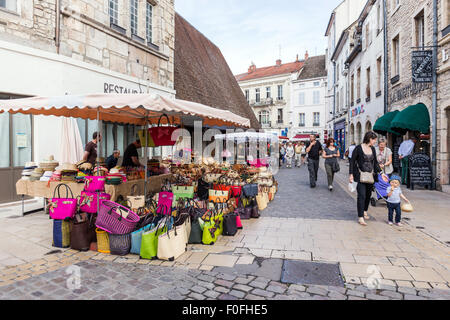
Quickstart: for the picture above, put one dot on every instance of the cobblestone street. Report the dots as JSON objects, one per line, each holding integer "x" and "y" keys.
{"x": 408, "y": 263}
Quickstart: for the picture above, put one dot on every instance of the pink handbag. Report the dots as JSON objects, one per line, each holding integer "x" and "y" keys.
{"x": 239, "y": 222}
{"x": 165, "y": 200}
{"x": 94, "y": 184}
{"x": 88, "y": 201}
{"x": 62, "y": 208}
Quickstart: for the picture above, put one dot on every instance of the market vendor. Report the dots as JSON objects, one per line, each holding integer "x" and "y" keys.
{"x": 90, "y": 151}
{"x": 112, "y": 160}
{"x": 131, "y": 156}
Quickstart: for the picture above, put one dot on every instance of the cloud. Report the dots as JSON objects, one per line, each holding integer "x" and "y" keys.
{"x": 253, "y": 30}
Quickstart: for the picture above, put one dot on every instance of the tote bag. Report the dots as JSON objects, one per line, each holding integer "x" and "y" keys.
{"x": 172, "y": 244}
{"x": 136, "y": 201}
{"x": 162, "y": 135}
{"x": 149, "y": 241}
{"x": 61, "y": 208}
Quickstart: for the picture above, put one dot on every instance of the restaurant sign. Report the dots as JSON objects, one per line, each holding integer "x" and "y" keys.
{"x": 410, "y": 90}
{"x": 114, "y": 88}
{"x": 422, "y": 66}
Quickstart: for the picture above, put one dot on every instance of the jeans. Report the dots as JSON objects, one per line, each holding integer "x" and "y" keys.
{"x": 398, "y": 210}
{"x": 364, "y": 191}
{"x": 313, "y": 167}
{"x": 330, "y": 173}
{"x": 298, "y": 159}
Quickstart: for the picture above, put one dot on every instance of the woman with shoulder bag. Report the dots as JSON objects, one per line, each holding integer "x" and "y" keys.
{"x": 364, "y": 169}
{"x": 331, "y": 155}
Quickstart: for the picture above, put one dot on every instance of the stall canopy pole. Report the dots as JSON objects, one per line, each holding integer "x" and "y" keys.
{"x": 146, "y": 153}
{"x": 96, "y": 160}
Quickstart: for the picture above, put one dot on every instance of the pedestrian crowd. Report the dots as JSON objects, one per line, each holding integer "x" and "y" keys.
{"x": 370, "y": 169}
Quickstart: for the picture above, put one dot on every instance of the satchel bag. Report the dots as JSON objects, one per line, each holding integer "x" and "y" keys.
{"x": 172, "y": 244}
{"x": 162, "y": 135}
{"x": 250, "y": 190}
{"x": 63, "y": 208}
{"x": 88, "y": 201}
{"x": 116, "y": 219}
{"x": 230, "y": 227}
{"x": 165, "y": 200}
{"x": 366, "y": 177}
{"x": 94, "y": 184}
{"x": 61, "y": 234}
{"x": 149, "y": 242}
{"x": 218, "y": 196}
{"x": 136, "y": 201}
{"x": 81, "y": 235}
{"x": 120, "y": 244}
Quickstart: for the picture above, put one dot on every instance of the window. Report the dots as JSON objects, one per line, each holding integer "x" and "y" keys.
{"x": 247, "y": 95}
{"x": 379, "y": 22}
{"x": 396, "y": 55}
{"x": 317, "y": 83}
{"x": 10, "y": 5}
{"x": 258, "y": 95}
{"x": 301, "y": 121}
{"x": 149, "y": 22}
{"x": 419, "y": 22}
{"x": 316, "y": 119}
{"x": 134, "y": 16}
{"x": 445, "y": 17}
{"x": 352, "y": 89}
{"x": 337, "y": 101}
{"x": 280, "y": 116}
{"x": 368, "y": 84}
{"x": 264, "y": 117}
{"x": 338, "y": 71}
{"x": 368, "y": 40}
{"x": 268, "y": 92}
{"x": 114, "y": 11}
{"x": 280, "y": 92}
{"x": 379, "y": 75}
{"x": 316, "y": 97}
{"x": 358, "y": 85}
{"x": 301, "y": 99}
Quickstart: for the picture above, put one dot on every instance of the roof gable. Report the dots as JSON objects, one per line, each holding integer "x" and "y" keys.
{"x": 287, "y": 68}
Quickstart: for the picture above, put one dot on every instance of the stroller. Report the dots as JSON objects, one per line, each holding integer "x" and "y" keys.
{"x": 380, "y": 190}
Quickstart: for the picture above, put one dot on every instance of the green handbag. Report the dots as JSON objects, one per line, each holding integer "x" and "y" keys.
{"x": 182, "y": 192}
{"x": 218, "y": 219}
{"x": 149, "y": 242}
{"x": 209, "y": 232}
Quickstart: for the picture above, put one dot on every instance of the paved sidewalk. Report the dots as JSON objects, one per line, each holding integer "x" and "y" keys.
{"x": 408, "y": 263}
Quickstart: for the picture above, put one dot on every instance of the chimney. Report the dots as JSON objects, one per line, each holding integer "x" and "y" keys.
{"x": 252, "y": 68}
{"x": 279, "y": 62}
{"x": 296, "y": 59}
{"x": 306, "y": 55}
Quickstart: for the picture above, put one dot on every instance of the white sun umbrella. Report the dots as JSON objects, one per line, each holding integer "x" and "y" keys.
{"x": 71, "y": 145}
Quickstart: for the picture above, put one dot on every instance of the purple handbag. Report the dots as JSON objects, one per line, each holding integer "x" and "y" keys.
{"x": 116, "y": 219}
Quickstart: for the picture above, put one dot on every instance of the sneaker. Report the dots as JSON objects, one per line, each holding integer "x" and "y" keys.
{"x": 331, "y": 188}
{"x": 390, "y": 223}
{"x": 399, "y": 224}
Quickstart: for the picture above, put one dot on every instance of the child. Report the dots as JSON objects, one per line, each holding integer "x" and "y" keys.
{"x": 394, "y": 201}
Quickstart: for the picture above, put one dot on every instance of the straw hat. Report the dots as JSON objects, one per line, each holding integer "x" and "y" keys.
{"x": 67, "y": 167}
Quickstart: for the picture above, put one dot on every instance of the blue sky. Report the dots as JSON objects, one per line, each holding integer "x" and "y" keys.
{"x": 253, "y": 30}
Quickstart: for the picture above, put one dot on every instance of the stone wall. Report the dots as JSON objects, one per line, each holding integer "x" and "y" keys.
{"x": 86, "y": 35}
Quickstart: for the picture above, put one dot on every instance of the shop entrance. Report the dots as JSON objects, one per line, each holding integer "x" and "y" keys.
{"x": 16, "y": 149}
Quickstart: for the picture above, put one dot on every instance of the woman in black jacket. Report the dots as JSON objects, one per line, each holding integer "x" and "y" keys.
{"x": 364, "y": 159}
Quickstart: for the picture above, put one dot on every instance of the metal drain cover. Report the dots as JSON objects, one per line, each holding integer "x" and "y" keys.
{"x": 314, "y": 273}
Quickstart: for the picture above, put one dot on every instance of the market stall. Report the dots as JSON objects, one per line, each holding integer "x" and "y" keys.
{"x": 167, "y": 203}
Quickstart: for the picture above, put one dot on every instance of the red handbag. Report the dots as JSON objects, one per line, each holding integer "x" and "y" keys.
{"x": 162, "y": 135}
{"x": 236, "y": 191}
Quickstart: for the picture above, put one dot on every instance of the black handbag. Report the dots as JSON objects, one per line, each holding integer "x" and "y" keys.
{"x": 250, "y": 190}
{"x": 203, "y": 189}
{"x": 196, "y": 232}
{"x": 230, "y": 224}
{"x": 335, "y": 167}
{"x": 254, "y": 209}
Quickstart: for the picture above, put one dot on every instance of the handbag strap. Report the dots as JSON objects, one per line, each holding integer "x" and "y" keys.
{"x": 167, "y": 117}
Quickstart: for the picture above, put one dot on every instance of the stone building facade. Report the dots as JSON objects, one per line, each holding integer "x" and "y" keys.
{"x": 87, "y": 34}
{"x": 410, "y": 27}
{"x": 58, "y": 47}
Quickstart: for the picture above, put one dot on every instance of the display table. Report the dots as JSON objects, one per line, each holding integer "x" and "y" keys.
{"x": 44, "y": 190}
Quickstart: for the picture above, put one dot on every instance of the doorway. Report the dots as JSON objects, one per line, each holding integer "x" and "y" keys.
{"x": 16, "y": 149}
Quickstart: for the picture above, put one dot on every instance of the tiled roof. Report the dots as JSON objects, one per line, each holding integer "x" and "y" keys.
{"x": 314, "y": 68}
{"x": 275, "y": 70}
{"x": 202, "y": 75}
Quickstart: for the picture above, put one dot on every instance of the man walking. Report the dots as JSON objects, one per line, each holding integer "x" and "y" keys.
{"x": 405, "y": 150}
{"x": 314, "y": 151}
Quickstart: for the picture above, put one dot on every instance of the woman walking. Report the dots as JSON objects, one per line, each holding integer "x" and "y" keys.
{"x": 364, "y": 169}
{"x": 384, "y": 157}
{"x": 331, "y": 155}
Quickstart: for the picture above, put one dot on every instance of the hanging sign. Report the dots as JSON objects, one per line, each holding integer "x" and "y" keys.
{"x": 21, "y": 140}
{"x": 422, "y": 66}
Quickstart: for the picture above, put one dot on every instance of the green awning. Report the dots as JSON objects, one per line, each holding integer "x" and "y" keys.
{"x": 383, "y": 124}
{"x": 413, "y": 118}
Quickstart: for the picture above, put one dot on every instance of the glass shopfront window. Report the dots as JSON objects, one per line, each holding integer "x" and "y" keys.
{"x": 22, "y": 143}
{"x": 4, "y": 140}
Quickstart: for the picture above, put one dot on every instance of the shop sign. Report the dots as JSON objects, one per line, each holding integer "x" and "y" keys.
{"x": 21, "y": 140}
{"x": 357, "y": 111}
{"x": 410, "y": 90}
{"x": 114, "y": 88}
{"x": 422, "y": 66}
